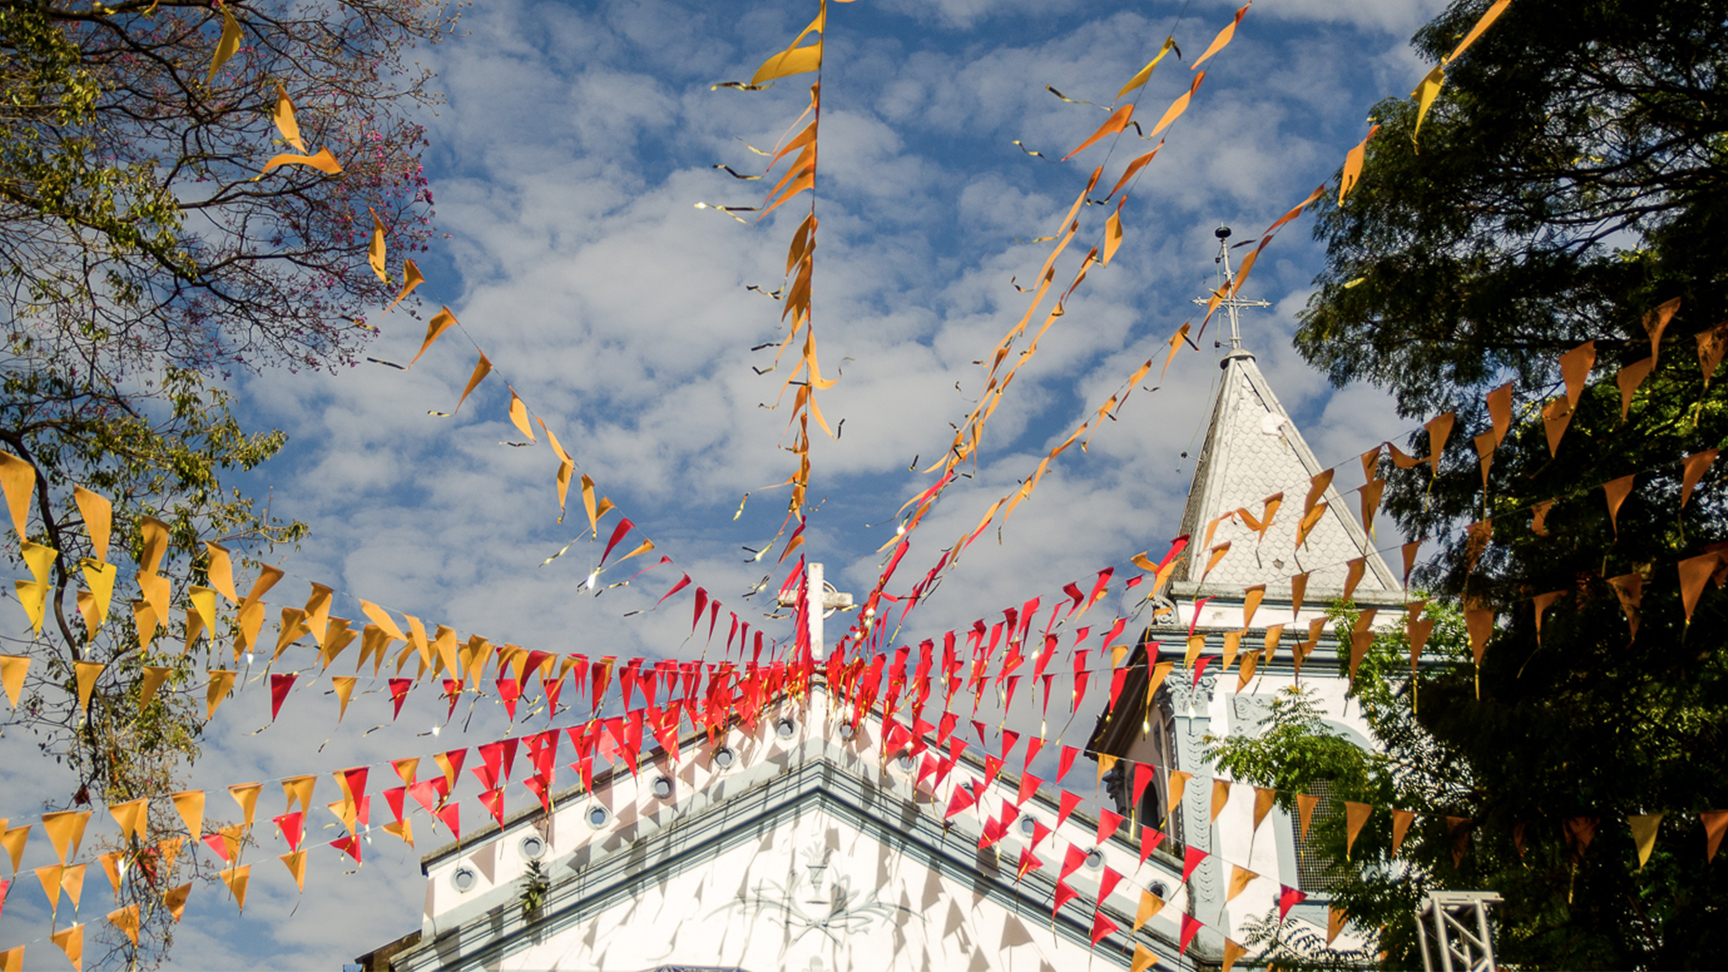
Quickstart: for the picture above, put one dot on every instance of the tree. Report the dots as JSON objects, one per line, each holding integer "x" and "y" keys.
{"x": 146, "y": 256}
{"x": 1563, "y": 189}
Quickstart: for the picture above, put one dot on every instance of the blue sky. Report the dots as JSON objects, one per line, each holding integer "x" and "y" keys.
{"x": 576, "y": 140}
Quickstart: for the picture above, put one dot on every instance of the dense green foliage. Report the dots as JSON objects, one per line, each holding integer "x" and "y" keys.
{"x": 1566, "y": 183}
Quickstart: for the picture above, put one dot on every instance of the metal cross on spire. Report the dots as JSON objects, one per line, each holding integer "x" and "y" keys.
{"x": 1226, "y": 279}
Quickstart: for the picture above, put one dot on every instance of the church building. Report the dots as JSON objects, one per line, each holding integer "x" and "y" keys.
{"x": 791, "y": 841}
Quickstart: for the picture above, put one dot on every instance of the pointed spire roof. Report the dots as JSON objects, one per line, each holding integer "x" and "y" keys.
{"x": 1252, "y": 451}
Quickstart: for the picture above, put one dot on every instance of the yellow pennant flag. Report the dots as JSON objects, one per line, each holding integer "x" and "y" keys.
{"x": 12, "y": 671}
{"x": 382, "y": 619}
{"x": 71, "y": 940}
{"x": 39, "y": 558}
{"x": 482, "y": 368}
{"x": 1240, "y": 878}
{"x": 33, "y": 597}
{"x": 403, "y": 828}
{"x": 49, "y": 876}
{"x": 1113, "y": 233}
{"x": 435, "y": 328}
{"x": 72, "y": 882}
{"x": 344, "y": 687}
{"x": 131, "y": 816}
{"x": 375, "y": 249}
{"x": 1145, "y": 74}
{"x": 1488, "y": 17}
{"x": 13, "y": 840}
{"x": 100, "y": 579}
{"x": 411, "y": 278}
{"x": 296, "y": 862}
{"x": 298, "y": 790}
{"x": 317, "y": 613}
{"x": 220, "y": 572}
{"x": 519, "y": 416}
{"x": 126, "y": 919}
{"x": 1150, "y": 904}
{"x": 236, "y": 878}
{"x": 65, "y": 830}
{"x": 221, "y": 683}
{"x": 1355, "y": 816}
{"x": 1144, "y": 958}
{"x": 12, "y": 960}
{"x": 204, "y": 602}
{"x": 98, "y": 514}
{"x": 1644, "y": 827}
{"x": 87, "y": 673}
{"x": 147, "y": 686}
{"x": 283, "y": 116}
{"x": 226, "y": 47}
{"x": 795, "y": 59}
{"x": 246, "y": 795}
{"x": 17, "y": 480}
{"x": 323, "y": 161}
{"x": 1353, "y": 161}
{"x": 1425, "y": 93}
{"x": 175, "y": 900}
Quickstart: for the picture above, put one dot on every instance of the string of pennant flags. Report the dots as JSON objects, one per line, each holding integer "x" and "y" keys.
{"x": 866, "y": 676}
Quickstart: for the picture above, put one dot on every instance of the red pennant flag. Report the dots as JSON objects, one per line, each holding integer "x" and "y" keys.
{"x": 293, "y": 828}
{"x": 1117, "y": 679}
{"x": 399, "y": 694}
{"x": 1190, "y": 925}
{"x": 992, "y": 767}
{"x": 451, "y": 814}
{"x": 1039, "y": 832}
{"x": 960, "y": 799}
{"x": 219, "y": 844}
{"x": 1191, "y": 859}
{"x": 453, "y": 692}
{"x": 509, "y": 690}
{"x": 1072, "y": 858}
{"x": 1064, "y": 894}
{"x": 1142, "y": 778}
{"x": 1033, "y": 746}
{"x": 279, "y": 686}
{"x": 682, "y": 583}
{"x": 1101, "y": 926}
{"x": 1200, "y": 669}
{"x": 1009, "y": 738}
{"x": 1289, "y": 899}
{"x": 1028, "y": 786}
{"x": 1107, "y": 824}
{"x": 1028, "y": 862}
{"x": 618, "y": 532}
{"x": 1013, "y": 684}
{"x": 539, "y": 785}
{"x": 1149, "y": 841}
{"x": 425, "y": 793}
{"x": 701, "y": 605}
{"x": 493, "y": 801}
{"x": 395, "y": 796}
{"x": 1067, "y": 761}
{"x": 1107, "y": 884}
{"x": 1069, "y": 802}
{"x": 349, "y": 845}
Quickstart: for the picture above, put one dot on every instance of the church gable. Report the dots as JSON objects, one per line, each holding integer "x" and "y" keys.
{"x": 807, "y": 852}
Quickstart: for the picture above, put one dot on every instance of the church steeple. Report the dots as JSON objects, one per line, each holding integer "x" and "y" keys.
{"x": 1252, "y": 451}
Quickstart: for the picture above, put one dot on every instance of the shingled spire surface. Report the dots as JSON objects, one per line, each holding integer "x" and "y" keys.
{"x": 1252, "y": 451}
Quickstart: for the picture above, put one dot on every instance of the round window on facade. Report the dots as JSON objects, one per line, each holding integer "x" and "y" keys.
{"x": 662, "y": 787}
{"x": 598, "y": 816}
{"x": 1028, "y": 825}
{"x": 847, "y": 732}
{"x": 1158, "y": 888}
{"x": 905, "y": 764}
{"x": 724, "y": 757}
{"x": 1094, "y": 859}
{"x": 464, "y": 878}
{"x": 786, "y": 728}
{"x": 532, "y": 847}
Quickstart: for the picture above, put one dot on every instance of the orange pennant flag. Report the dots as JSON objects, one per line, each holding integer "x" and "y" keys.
{"x": 1240, "y": 878}
{"x": 1113, "y": 125}
{"x": 12, "y": 960}
{"x": 17, "y": 481}
{"x": 411, "y": 278}
{"x": 175, "y": 900}
{"x": 246, "y": 795}
{"x": 98, "y": 514}
{"x": 1178, "y": 106}
{"x": 131, "y": 816}
{"x": 1575, "y": 368}
{"x": 296, "y": 863}
{"x": 1335, "y": 918}
{"x": 65, "y": 830}
{"x": 519, "y": 416}
{"x": 1176, "y": 340}
{"x": 1616, "y": 491}
{"x": 323, "y": 161}
{"x": 1233, "y": 950}
{"x": 190, "y": 804}
{"x": 1223, "y": 38}
{"x": 1712, "y": 345}
{"x": 1629, "y": 589}
{"x": 1264, "y": 798}
{"x": 795, "y": 59}
{"x": 482, "y": 368}
{"x": 71, "y": 940}
{"x": 1629, "y": 378}
{"x": 1305, "y": 804}
{"x": 221, "y": 683}
{"x": 1556, "y": 416}
{"x": 1439, "y": 430}
{"x": 1500, "y": 411}
{"x": 13, "y": 668}
{"x": 1488, "y": 17}
{"x": 1134, "y": 167}
{"x": 1542, "y": 603}
{"x": 126, "y": 919}
{"x": 1355, "y": 816}
{"x": 1144, "y": 958}
{"x": 1656, "y": 321}
{"x": 1694, "y": 571}
{"x": 87, "y": 673}
{"x": 1479, "y": 621}
{"x": 237, "y": 878}
{"x": 13, "y": 840}
{"x": 1353, "y": 161}
{"x": 1401, "y": 821}
{"x": 1715, "y": 823}
{"x": 1220, "y": 796}
{"x": 435, "y": 328}
{"x": 1644, "y": 828}
{"x": 1696, "y": 465}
